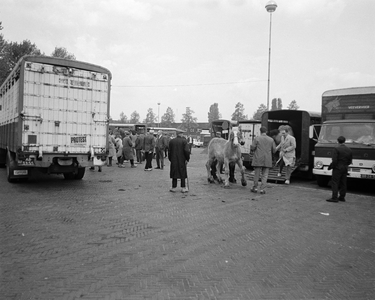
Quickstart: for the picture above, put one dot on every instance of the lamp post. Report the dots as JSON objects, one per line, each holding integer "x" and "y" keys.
{"x": 158, "y": 114}
{"x": 270, "y": 7}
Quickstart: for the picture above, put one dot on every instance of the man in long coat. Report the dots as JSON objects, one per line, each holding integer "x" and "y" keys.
{"x": 263, "y": 147}
{"x": 127, "y": 150}
{"x": 179, "y": 156}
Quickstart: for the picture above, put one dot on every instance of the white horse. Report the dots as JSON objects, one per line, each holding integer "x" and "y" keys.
{"x": 228, "y": 153}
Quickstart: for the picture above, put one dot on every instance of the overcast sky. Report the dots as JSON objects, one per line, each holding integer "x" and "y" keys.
{"x": 193, "y": 53}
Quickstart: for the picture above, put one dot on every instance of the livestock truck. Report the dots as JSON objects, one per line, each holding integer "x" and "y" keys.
{"x": 54, "y": 117}
{"x": 348, "y": 112}
{"x": 306, "y": 127}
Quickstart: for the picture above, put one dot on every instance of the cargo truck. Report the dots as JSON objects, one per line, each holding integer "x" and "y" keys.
{"x": 54, "y": 117}
{"x": 350, "y": 113}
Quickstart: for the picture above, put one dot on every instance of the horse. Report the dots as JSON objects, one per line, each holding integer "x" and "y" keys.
{"x": 227, "y": 152}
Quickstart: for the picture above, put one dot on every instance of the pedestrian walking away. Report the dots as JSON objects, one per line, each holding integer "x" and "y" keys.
{"x": 287, "y": 149}
{"x": 263, "y": 148}
{"x": 179, "y": 156}
{"x": 341, "y": 158}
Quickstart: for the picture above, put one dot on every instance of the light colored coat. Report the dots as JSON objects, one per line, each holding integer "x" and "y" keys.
{"x": 288, "y": 150}
{"x": 263, "y": 147}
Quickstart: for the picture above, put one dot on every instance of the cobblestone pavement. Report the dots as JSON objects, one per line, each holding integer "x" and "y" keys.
{"x": 121, "y": 234}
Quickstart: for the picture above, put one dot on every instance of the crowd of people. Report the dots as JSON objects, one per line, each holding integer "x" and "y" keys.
{"x": 137, "y": 148}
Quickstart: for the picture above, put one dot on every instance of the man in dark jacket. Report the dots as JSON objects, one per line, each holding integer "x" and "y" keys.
{"x": 341, "y": 159}
{"x": 179, "y": 156}
{"x": 148, "y": 146}
{"x": 160, "y": 146}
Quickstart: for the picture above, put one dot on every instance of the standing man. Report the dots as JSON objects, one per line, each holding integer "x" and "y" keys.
{"x": 179, "y": 156}
{"x": 287, "y": 149}
{"x": 161, "y": 145}
{"x": 149, "y": 144}
{"x": 139, "y": 143}
{"x": 263, "y": 147}
{"x": 190, "y": 140}
{"x": 341, "y": 159}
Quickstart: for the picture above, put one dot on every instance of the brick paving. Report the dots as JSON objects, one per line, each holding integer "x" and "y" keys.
{"x": 121, "y": 234}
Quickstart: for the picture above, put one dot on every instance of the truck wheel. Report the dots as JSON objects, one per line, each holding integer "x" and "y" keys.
{"x": 9, "y": 171}
{"x": 69, "y": 176}
{"x": 322, "y": 180}
{"x": 80, "y": 174}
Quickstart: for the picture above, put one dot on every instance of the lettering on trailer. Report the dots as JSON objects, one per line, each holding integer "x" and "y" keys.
{"x": 74, "y": 82}
{"x": 78, "y": 140}
{"x": 359, "y": 107}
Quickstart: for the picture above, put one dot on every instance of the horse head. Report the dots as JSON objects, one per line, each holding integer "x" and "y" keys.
{"x": 236, "y": 137}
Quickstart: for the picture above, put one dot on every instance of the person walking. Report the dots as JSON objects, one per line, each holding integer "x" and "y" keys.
{"x": 179, "y": 156}
{"x": 111, "y": 149}
{"x": 127, "y": 150}
{"x": 341, "y": 158}
{"x": 149, "y": 144}
{"x": 118, "y": 144}
{"x": 263, "y": 148}
{"x": 161, "y": 144}
{"x": 139, "y": 142}
{"x": 287, "y": 149}
{"x": 190, "y": 141}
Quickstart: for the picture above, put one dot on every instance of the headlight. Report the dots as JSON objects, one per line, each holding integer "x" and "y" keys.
{"x": 373, "y": 168}
{"x": 319, "y": 165}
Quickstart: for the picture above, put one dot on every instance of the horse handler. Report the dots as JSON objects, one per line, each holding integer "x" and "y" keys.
{"x": 179, "y": 156}
{"x": 263, "y": 147}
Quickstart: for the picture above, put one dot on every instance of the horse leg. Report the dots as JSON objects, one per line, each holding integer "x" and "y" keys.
{"x": 243, "y": 179}
{"x": 232, "y": 167}
{"x": 213, "y": 169}
{"x": 226, "y": 163}
{"x": 210, "y": 178}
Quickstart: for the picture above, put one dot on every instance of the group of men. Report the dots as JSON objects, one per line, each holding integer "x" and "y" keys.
{"x": 264, "y": 147}
{"x": 146, "y": 146}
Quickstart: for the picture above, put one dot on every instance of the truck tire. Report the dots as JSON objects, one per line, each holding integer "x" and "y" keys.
{"x": 9, "y": 169}
{"x": 68, "y": 176}
{"x": 322, "y": 180}
{"x": 80, "y": 174}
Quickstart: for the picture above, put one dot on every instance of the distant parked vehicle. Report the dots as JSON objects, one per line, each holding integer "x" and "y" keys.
{"x": 197, "y": 144}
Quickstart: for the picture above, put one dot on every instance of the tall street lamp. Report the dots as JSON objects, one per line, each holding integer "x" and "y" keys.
{"x": 159, "y": 114}
{"x": 270, "y": 7}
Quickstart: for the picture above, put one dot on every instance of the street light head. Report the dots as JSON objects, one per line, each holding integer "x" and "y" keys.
{"x": 271, "y": 6}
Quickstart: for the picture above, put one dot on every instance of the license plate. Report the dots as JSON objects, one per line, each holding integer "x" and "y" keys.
{"x": 20, "y": 172}
{"x": 78, "y": 140}
{"x": 368, "y": 176}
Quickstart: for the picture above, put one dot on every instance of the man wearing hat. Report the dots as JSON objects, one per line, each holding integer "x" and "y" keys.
{"x": 160, "y": 145}
{"x": 148, "y": 146}
{"x": 179, "y": 156}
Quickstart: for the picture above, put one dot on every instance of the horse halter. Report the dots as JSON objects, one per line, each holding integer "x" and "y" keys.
{"x": 236, "y": 140}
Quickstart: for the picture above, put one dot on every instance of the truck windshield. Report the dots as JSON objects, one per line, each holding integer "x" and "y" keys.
{"x": 353, "y": 132}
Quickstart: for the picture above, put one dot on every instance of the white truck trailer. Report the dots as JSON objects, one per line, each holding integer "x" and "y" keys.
{"x": 54, "y": 117}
